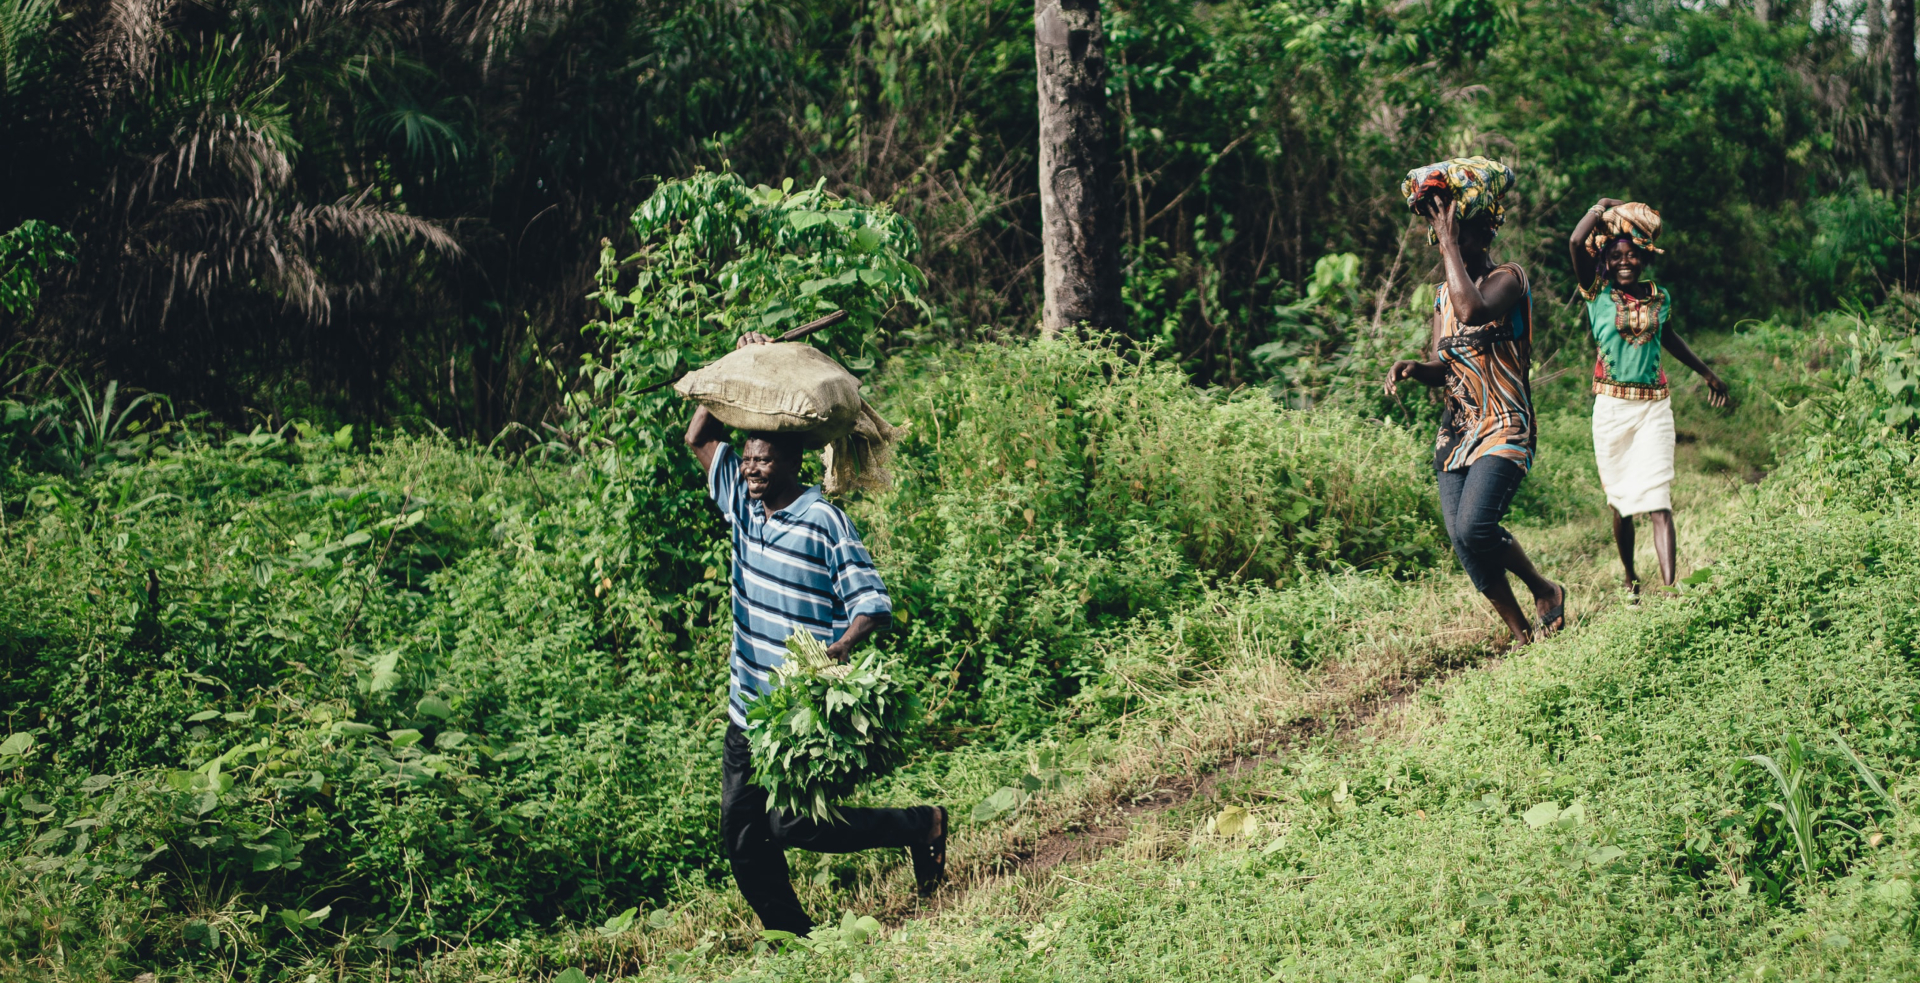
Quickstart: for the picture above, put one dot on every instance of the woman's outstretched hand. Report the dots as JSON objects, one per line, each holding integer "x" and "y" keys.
{"x": 1717, "y": 394}
{"x": 1402, "y": 369}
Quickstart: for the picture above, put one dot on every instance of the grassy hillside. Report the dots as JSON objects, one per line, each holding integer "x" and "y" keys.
{"x": 414, "y": 709}
{"x": 279, "y": 699}
{"x": 1596, "y": 807}
{"x": 1346, "y": 777}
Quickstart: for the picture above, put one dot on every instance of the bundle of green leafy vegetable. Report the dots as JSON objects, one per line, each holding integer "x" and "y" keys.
{"x": 826, "y": 728}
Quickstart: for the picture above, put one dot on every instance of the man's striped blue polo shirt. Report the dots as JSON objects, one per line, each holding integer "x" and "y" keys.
{"x": 804, "y": 567}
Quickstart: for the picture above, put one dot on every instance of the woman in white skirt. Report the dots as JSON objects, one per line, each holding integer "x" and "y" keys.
{"x": 1632, "y": 410}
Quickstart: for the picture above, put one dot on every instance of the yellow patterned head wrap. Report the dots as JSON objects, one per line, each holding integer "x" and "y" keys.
{"x": 1476, "y": 184}
{"x": 1631, "y": 220}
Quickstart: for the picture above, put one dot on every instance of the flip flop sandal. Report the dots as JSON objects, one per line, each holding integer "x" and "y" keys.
{"x": 930, "y": 859}
{"x": 1556, "y": 616}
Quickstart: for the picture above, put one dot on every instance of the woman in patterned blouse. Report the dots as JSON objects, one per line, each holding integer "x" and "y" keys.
{"x": 1482, "y": 352}
{"x": 1633, "y": 436}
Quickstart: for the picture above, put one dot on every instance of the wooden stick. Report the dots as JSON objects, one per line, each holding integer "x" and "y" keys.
{"x": 797, "y": 333}
{"x": 811, "y": 326}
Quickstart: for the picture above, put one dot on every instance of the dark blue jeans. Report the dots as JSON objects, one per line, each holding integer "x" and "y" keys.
{"x": 1473, "y": 500}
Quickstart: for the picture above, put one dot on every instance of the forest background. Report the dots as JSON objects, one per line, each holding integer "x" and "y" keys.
{"x": 359, "y": 604}
{"x": 377, "y": 213}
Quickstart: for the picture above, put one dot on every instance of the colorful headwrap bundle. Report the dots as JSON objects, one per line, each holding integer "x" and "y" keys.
{"x": 1476, "y": 185}
{"x": 1632, "y": 221}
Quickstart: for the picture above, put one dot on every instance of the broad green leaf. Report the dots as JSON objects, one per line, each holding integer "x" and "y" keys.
{"x": 618, "y": 923}
{"x": 203, "y": 715}
{"x": 1004, "y": 801}
{"x": 198, "y": 931}
{"x": 1234, "y": 821}
{"x": 1542, "y": 814}
{"x": 266, "y": 856}
{"x": 434, "y": 706}
{"x": 571, "y": 974}
{"x": 404, "y": 738}
{"x": 384, "y": 674}
{"x": 1605, "y": 854}
{"x": 19, "y": 743}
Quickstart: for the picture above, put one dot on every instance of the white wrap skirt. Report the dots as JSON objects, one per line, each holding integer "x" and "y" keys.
{"x": 1633, "y": 444}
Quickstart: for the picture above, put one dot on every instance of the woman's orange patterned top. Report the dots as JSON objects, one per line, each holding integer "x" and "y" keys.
{"x": 1489, "y": 393}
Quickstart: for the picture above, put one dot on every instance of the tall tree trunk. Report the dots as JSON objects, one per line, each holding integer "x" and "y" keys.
{"x": 1079, "y": 230}
{"x": 1905, "y": 102}
{"x": 1880, "y": 169}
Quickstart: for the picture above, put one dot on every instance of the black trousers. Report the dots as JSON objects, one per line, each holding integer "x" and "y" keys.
{"x": 757, "y": 840}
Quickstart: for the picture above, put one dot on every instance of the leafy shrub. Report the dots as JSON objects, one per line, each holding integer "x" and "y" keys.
{"x": 388, "y": 685}
{"x": 1856, "y": 418}
{"x": 27, "y": 251}
{"x": 826, "y": 728}
{"x": 1064, "y": 488}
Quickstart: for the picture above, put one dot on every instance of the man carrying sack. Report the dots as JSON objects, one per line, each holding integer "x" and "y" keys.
{"x": 798, "y": 565}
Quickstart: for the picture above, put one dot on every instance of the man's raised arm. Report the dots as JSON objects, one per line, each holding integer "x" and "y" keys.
{"x": 704, "y": 433}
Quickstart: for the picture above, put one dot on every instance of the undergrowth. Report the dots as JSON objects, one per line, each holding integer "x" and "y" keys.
{"x": 287, "y": 698}
{"x": 1714, "y": 786}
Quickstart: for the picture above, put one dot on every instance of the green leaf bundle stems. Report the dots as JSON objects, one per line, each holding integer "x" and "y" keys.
{"x": 826, "y": 728}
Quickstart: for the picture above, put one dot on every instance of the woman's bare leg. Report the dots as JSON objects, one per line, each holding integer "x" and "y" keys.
{"x": 1664, "y": 545}
{"x": 1623, "y": 538}
{"x": 1547, "y": 595}
{"x": 1504, "y": 603}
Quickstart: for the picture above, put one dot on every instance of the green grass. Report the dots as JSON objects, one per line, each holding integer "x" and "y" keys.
{"x": 1420, "y": 805}
{"x": 1586, "y": 810}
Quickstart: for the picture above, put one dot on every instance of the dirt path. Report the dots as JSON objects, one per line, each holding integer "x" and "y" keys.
{"x": 1353, "y": 698}
{"x": 1349, "y": 698}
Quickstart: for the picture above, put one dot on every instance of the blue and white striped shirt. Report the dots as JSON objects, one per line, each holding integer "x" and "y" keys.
{"x": 804, "y": 567}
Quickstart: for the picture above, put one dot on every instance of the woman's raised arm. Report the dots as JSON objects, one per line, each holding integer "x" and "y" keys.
{"x": 1584, "y": 264}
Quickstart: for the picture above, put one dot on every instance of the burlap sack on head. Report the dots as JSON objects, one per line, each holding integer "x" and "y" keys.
{"x": 779, "y": 388}
{"x": 858, "y": 461}
{"x": 795, "y": 388}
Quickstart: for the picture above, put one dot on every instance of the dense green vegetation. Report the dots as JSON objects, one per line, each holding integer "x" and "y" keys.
{"x": 1716, "y": 786}
{"x": 420, "y": 687}
{"x": 362, "y": 616}
{"x": 384, "y": 214}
